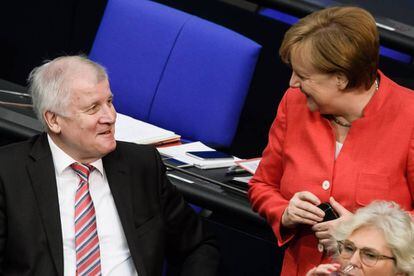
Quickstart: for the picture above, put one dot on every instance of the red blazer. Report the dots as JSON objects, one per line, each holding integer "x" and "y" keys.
{"x": 376, "y": 162}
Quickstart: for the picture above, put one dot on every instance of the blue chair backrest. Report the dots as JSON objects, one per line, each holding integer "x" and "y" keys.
{"x": 175, "y": 70}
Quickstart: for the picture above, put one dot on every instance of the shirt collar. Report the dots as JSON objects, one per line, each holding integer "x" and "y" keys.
{"x": 61, "y": 160}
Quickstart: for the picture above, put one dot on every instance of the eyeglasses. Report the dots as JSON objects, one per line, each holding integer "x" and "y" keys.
{"x": 368, "y": 256}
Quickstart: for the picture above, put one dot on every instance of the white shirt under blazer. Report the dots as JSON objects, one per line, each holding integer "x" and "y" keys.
{"x": 115, "y": 256}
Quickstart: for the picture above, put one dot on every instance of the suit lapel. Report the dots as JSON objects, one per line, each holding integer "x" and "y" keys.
{"x": 43, "y": 180}
{"x": 119, "y": 179}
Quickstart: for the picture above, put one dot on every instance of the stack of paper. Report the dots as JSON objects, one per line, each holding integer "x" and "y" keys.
{"x": 179, "y": 153}
{"x": 129, "y": 129}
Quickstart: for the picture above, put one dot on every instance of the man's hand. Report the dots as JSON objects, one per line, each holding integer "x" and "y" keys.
{"x": 323, "y": 269}
{"x": 324, "y": 230}
{"x": 302, "y": 210}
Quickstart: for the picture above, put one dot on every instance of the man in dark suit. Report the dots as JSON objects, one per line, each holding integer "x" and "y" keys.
{"x": 73, "y": 201}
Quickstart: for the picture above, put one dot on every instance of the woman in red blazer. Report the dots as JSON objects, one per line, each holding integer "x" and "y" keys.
{"x": 343, "y": 134}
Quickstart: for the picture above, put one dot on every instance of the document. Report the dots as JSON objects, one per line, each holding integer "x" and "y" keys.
{"x": 243, "y": 179}
{"x": 249, "y": 165}
{"x": 132, "y": 130}
{"x": 179, "y": 153}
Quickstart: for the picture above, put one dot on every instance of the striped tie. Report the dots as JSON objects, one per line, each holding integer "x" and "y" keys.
{"x": 86, "y": 236}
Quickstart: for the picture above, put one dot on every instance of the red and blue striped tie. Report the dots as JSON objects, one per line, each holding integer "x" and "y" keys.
{"x": 86, "y": 236}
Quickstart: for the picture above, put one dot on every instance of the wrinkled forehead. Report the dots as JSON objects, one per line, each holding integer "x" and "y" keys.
{"x": 370, "y": 236}
{"x": 87, "y": 89}
{"x": 86, "y": 83}
{"x": 80, "y": 75}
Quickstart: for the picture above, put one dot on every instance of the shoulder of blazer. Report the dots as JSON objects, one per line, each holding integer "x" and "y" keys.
{"x": 125, "y": 150}
{"x": 36, "y": 147}
{"x": 133, "y": 156}
{"x": 294, "y": 95}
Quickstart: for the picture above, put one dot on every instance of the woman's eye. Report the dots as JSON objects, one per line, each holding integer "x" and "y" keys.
{"x": 349, "y": 248}
{"x": 370, "y": 255}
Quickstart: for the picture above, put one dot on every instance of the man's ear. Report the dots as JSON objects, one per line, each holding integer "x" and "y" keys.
{"x": 52, "y": 121}
{"x": 341, "y": 81}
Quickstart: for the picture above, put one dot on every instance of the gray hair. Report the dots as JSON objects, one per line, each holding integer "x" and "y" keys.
{"x": 50, "y": 83}
{"x": 396, "y": 225}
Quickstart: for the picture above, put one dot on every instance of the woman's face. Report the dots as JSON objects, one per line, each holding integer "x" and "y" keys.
{"x": 371, "y": 241}
{"x": 323, "y": 91}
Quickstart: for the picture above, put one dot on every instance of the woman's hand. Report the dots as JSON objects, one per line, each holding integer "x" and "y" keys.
{"x": 323, "y": 269}
{"x": 324, "y": 230}
{"x": 302, "y": 210}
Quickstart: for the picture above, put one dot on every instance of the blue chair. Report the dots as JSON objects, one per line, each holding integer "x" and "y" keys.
{"x": 175, "y": 70}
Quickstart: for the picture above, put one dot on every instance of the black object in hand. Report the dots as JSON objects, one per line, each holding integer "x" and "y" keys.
{"x": 330, "y": 213}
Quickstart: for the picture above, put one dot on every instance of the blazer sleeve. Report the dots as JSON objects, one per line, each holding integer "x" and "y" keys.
{"x": 264, "y": 187}
{"x": 410, "y": 170}
{"x": 189, "y": 245}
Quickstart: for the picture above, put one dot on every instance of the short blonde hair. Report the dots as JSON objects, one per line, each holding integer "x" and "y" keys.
{"x": 396, "y": 225}
{"x": 341, "y": 40}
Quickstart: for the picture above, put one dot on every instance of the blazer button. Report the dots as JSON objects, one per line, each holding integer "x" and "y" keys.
{"x": 326, "y": 185}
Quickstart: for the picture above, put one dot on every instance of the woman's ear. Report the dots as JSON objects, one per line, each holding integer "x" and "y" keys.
{"x": 341, "y": 81}
{"x": 52, "y": 121}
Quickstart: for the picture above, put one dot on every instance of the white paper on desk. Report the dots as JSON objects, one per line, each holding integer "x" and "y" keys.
{"x": 179, "y": 153}
{"x": 249, "y": 165}
{"x": 243, "y": 179}
{"x": 132, "y": 130}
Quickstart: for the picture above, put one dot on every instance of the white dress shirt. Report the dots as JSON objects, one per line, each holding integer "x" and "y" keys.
{"x": 338, "y": 148}
{"x": 115, "y": 256}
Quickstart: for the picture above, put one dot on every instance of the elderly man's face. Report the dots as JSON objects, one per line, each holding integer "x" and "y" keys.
{"x": 86, "y": 132}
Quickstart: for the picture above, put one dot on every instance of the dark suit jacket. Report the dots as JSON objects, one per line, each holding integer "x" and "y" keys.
{"x": 157, "y": 222}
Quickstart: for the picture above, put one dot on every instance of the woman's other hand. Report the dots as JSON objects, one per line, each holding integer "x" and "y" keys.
{"x": 323, "y": 269}
{"x": 324, "y": 230}
{"x": 302, "y": 209}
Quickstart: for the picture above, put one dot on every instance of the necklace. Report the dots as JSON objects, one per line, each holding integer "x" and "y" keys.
{"x": 344, "y": 124}
{"x": 340, "y": 123}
